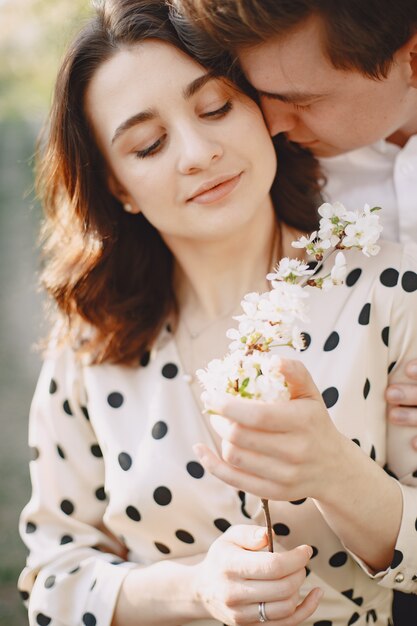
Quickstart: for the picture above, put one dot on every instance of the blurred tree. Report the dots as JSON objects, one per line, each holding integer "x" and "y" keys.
{"x": 33, "y": 35}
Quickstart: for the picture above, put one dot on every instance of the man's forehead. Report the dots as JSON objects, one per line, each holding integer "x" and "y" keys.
{"x": 294, "y": 62}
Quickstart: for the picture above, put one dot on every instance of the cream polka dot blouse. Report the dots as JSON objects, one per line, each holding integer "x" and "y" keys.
{"x": 112, "y": 457}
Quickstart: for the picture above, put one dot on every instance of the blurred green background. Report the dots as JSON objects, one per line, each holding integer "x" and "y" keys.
{"x": 33, "y": 35}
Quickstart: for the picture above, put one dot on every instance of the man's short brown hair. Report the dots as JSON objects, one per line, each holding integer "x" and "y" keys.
{"x": 359, "y": 35}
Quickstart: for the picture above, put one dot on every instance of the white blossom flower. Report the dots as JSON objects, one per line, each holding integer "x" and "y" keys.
{"x": 338, "y": 272}
{"x": 289, "y": 270}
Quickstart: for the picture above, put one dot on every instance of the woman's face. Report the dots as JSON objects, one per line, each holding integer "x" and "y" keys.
{"x": 185, "y": 149}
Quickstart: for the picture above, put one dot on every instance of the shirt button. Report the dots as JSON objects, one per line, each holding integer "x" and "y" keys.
{"x": 399, "y": 578}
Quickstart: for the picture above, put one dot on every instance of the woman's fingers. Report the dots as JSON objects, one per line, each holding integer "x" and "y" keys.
{"x": 273, "y": 590}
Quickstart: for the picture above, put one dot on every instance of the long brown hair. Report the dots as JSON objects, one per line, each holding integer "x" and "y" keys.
{"x": 109, "y": 271}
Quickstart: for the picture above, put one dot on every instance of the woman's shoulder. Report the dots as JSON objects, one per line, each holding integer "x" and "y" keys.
{"x": 388, "y": 266}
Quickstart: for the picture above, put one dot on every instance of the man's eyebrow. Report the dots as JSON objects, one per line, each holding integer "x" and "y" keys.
{"x": 291, "y": 97}
{"x": 138, "y": 118}
{"x": 150, "y": 114}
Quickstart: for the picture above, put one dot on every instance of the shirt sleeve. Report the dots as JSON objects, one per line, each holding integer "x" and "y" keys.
{"x": 401, "y": 457}
{"x": 75, "y": 568}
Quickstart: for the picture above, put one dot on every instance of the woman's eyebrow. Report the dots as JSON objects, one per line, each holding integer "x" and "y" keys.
{"x": 138, "y": 118}
{"x": 145, "y": 116}
{"x": 198, "y": 84}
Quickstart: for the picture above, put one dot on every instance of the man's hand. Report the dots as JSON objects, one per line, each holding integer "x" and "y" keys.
{"x": 402, "y": 400}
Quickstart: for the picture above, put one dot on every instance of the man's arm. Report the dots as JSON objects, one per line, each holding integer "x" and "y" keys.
{"x": 402, "y": 400}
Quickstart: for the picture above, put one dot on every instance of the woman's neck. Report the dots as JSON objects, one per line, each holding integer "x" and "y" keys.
{"x": 212, "y": 276}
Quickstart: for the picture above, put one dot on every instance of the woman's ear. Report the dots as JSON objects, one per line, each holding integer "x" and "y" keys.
{"x": 121, "y": 194}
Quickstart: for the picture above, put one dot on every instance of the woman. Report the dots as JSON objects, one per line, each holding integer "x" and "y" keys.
{"x": 156, "y": 180}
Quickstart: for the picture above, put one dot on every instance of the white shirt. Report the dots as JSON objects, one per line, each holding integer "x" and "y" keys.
{"x": 380, "y": 175}
{"x": 113, "y": 452}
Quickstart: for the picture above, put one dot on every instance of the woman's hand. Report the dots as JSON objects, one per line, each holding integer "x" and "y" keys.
{"x": 402, "y": 400}
{"x": 235, "y": 577}
{"x": 280, "y": 450}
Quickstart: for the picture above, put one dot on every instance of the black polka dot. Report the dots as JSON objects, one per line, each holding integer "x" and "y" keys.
{"x": 24, "y": 595}
{"x": 75, "y": 570}
{"x": 100, "y": 493}
{"x": 42, "y": 619}
{"x": 196, "y": 470}
{"x": 89, "y": 619}
{"x": 308, "y": 571}
{"x": 34, "y": 453}
{"x": 242, "y": 498}
{"x": 358, "y": 443}
{"x": 301, "y": 501}
{"x": 162, "y": 496}
{"x": 365, "y": 314}
{"x": 315, "y": 551}
{"x": 50, "y": 582}
{"x": 133, "y": 513}
{"x": 389, "y": 277}
{"x": 353, "y": 619}
{"x": 372, "y": 614}
{"x": 125, "y": 461}
{"x": 93, "y": 584}
{"x": 338, "y": 559}
{"x": 281, "y": 529}
{"x": 331, "y": 342}
{"x": 162, "y": 547}
{"x": 323, "y": 622}
{"x": 307, "y": 341}
{"x": 415, "y": 474}
{"x": 366, "y": 388}
{"x": 67, "y": 408}
{"x": 115, "y": 399}
{"x": 353, "y": 277}
{"x": 222, "y": 524}
{"x": 373, "y": 453}
{"x": 391, "y": 366}
{"x": 170, "y": 370}
{"x": 389, "y": 471}
{"x": 385, "y": 335}
{"x": 349, "y": 593}
{"x": 415, "y": 524}
{"x": 159, "y": 430}
{"x": 30, "y": 527}
{"x": 409, "y": 281}
{"x": 184, "y": 536}
{"x": 145, "y": 358}
{"x": 67, "y": 507}
{"x": 66, "y": 539}
{"x": 330, "y": 396}
{"x": 53, "y": 386}
{"x": 398, "y": 557}
{"x": 60, "y": 452}
{"x": 96, "y": 450}
{"x": 85, "y": 412}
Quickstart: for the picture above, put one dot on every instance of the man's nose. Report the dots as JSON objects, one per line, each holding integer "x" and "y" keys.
{"x": 280, "y": 117}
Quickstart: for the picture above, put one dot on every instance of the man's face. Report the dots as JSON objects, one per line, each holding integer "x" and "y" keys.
{"x": 327, "y": 110}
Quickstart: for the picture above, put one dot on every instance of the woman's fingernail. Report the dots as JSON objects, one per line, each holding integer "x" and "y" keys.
{"x": 319, "y": 594}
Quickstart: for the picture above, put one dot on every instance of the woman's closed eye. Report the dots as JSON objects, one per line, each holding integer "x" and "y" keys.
{"x": 220, "y": 112}
{"x": 150, "y": 150}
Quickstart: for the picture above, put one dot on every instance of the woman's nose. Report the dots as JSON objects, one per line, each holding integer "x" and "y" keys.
{"x": 279, "y": 116}
{"x": 199, "y": 148}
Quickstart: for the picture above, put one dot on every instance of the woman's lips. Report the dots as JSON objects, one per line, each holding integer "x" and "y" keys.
{"x": 217, "y": 193}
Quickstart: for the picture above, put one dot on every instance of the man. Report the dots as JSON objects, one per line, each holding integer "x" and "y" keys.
{"x": 340, "y": 79}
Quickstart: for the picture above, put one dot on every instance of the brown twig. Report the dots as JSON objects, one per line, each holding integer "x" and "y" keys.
{"x": 265, "y": 506}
